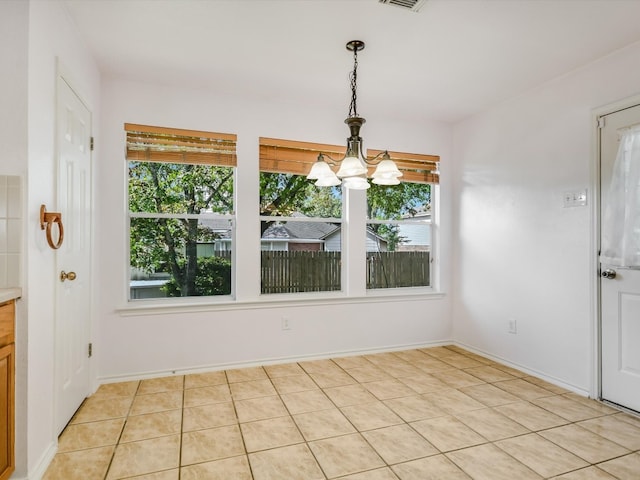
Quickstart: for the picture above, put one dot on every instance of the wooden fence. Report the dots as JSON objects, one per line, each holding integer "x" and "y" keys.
{"x": 304, "y": 271}
{"x": 397, "y": 269}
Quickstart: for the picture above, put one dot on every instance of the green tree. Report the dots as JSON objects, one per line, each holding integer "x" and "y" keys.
{"x": 393, "y": 202}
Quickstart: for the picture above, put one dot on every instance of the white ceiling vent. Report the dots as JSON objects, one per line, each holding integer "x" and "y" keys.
{"x": 413, "y": 5}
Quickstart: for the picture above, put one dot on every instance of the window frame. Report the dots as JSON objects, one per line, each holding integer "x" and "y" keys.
{"x": 280, "y": 156}
{"x": 419, "y": 169}
{"x": 255, "y": 299}
{"x": 220, "y": 159}
{"x": 432, "y": 254}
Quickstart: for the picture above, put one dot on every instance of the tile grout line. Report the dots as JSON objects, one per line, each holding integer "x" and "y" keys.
{"x": 348, "y": 419}
{"x": 124, "y": 424}
{"x": 235, "y": 411}
{"x": 305, "y": 441}
{"x": 184, "y": 392}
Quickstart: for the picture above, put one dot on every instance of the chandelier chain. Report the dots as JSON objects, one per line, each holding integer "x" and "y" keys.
{"x": 353, "y": 107}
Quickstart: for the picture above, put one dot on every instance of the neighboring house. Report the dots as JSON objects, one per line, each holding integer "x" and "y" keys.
{"x": 297, "y": 236}
{"x": 415, "y": 237}
{"x": 375, "y": 243}
{"x": 291, "y": 236}
{"x": 222, "y": 229}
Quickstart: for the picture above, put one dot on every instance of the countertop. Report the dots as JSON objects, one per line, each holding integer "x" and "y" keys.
{"x": 7, "y": 294}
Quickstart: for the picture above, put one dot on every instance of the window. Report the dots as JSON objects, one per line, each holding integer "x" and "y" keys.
{"x": 181, "y": 217}
{"x": 399, "y": 227}
{"x": 300, "y": 225}
{"x": 181, "y": 212}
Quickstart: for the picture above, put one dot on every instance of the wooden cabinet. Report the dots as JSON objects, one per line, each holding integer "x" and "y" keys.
{"x": 7, "y": 389}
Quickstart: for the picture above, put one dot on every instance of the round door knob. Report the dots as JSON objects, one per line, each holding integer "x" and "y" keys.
{"x": 67, "y": 276}
{"x": 608, "y": 274}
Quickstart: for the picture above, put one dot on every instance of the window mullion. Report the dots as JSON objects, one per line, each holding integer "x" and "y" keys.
{"x": 354, "y": 242}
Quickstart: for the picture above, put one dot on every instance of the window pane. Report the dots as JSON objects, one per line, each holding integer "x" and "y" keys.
{"x": 180, "y": 188}
{"x": 173, "y": 257}
{"x": 398, "y": 255}
{"x": 300, "y": 252}
{"x": 301, "y": 257}
{"x": 397, "y": 202}
{"x": 398, "y": 252}
{"x": 180, "y": 257}
{"x": 284, "y": 194}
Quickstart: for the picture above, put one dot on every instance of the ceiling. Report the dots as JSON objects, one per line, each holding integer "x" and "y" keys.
{"x": 448, "y": 61}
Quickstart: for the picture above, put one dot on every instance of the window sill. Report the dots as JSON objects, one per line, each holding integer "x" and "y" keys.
{"x": 159, "y": 307}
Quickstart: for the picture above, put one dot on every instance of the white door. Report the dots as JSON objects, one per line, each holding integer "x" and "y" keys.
{"x": 620, "y": 288}
{"x": 73, "y": 292}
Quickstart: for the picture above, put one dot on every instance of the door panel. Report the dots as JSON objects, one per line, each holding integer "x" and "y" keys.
{"x": 73, "y": 294}
{"x": 619, "y": 295}
{"x": 629, "y": 333}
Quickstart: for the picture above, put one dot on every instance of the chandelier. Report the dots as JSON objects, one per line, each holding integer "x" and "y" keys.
{"x": 352, "y": 171}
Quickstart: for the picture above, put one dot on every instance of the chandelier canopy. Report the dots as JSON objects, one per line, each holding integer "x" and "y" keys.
{"x": 353, "y": 167}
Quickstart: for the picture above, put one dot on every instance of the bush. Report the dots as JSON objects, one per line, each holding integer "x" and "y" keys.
{"x": 213, "y": 277}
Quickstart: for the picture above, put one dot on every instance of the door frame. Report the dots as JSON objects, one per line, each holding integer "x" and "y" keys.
{"x": 596, "y": 310}
{"x": 63, "y": 75}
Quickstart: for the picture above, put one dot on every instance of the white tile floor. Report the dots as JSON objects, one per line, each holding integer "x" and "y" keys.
{"x": 436, "y": 413}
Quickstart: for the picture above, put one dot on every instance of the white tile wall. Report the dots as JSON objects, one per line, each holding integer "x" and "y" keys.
{"x": 10, "y": 230}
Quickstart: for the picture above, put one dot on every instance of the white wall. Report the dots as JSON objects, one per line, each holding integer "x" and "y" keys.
{"x": 14, "y": 18}
{"x": 159, "y": 343}
{"x": 519, "y": 254}
{"x": 52, "y": 38}
{"x": 13, "y": 88}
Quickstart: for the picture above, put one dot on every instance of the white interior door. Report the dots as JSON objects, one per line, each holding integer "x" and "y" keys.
{"x": 620, "y": 289}
{"x": 73, "y": 293}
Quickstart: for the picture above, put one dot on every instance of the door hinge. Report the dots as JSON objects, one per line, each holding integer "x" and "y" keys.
{"x": 90, "y": 350}
{"x": 91, "y": 144}
{"x": 600, "y": 122}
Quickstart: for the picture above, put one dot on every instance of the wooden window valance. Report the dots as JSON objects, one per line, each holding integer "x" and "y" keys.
{"x": 290, "y": 156}
{"x": 173, "y": 145}
{"x": 415, "y": 167}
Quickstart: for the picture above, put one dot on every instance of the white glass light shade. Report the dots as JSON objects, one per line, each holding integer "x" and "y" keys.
{"x": 355, "y": 183}
{"x": 386, "y": 181}
{"x": 387, "y": 169}
{"x": 328, "y": 181}
{"x": 320, "y": 169}
{"x": 350, "y": 167}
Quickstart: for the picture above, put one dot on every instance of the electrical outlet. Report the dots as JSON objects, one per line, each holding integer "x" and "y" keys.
{"x": 574, "y": 199}
{"x": 286, "y": 325}
{"x": 512, "y": 327}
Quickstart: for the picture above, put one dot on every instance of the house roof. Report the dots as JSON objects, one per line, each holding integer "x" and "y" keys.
{"x": 299, "y": 231}
{"x": 370, "y": 234}
{"x": 292, "y": 230}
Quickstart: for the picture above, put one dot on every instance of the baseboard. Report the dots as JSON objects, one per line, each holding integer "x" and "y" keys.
{"x": 535, "y": 373}
{"x": 38, "y": 471}
{"x": 264, "y": 362}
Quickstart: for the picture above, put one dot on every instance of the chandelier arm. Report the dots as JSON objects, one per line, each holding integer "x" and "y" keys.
{"x": 322, "y": 157}
{"x": 377, "y": 159}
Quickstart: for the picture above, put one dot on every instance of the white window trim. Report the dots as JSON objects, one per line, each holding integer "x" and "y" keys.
{"x": 351, "y": 293}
